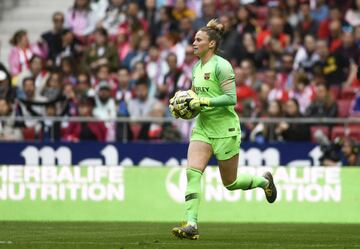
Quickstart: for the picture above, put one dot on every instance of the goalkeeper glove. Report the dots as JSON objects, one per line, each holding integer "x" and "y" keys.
{"x": 171, "y": 106}
{"x": 173, "y": 112}
{"x": 193, "y": 102}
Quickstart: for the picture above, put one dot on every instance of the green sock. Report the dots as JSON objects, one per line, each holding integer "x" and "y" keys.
{"x": 192, "y": 195}
{"x": 246, "y": 181}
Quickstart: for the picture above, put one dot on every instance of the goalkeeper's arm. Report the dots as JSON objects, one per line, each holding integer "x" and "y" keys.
{"x": 227, "y": 98}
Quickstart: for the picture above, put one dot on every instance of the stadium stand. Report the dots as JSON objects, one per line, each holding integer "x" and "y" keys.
{"x": 99, "y": 51}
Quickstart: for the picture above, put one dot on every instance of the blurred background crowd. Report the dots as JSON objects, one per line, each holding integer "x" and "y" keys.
{"x": 118, "y": 58}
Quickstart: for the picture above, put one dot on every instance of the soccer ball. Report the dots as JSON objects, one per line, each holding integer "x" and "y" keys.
{"x": 190, "y": 114}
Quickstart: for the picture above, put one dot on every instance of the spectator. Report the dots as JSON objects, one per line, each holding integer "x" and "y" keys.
{"x": 166, "y": 23}
{"x": 246, "y": 50}
{"x": 334, "y": 15}
{"x": 142, "y": 51}
{"x": 80, "y": 18}
{"x": 186, "y": 67}
{"x": 141, "y": 105}
{"x": 246, "y": 96}
{"x": 306, "y": 55}
{"x": 83, "y": 86}
{"x": 20, "y": 54}
{"x": 292, "y": 131}
{"x": 335, "y": 35}
{"x": 274, "y": 35}
{"x": 156, "y": 67}
{"x": 123, "y": 96}
{"x": 69, "y": 94}
{"x": 71, "y": 47}
{"x": 53, "y": 86}
{"x": 249, "y": 70}
{"x": 321, "y": 11}
{"x": 159, "y": 131}
{"x": 352, "y": 15}
{"x": 355, "y": 105}
{"x": 181, "y": 11}
{"x": 171, "y": 80}
{"x": 7, "y": 91}
{"x": 334, "y": 67}
{"x": 69, "y": 70}
{"x": 187, "y": 33}
{"x": 8, "y": 129}
{"x": 324, "y": 105}
{"x": 115, "y": 15}
{"x": 348, "y": 48}
{"x": 151, "y": 16}
{"x": 53, "y": 38}
{"x": 286, "y": 74}
{"x": 24, "y": 106}
{"x": 101, "y": 53}
{"x": 307, "y": 24}
{"x": 302, "y": 91}
{"x": 245, "y": 21}
{"x": 134, "y": 23}
{"x": 50, "y": 129}
{"x": 105, "y": 108}
{"x": 230, "y": 38}
{"x": 350, "y": 149}
{"x": 138, "y": 72}
{"x": 86, "y": 131}
{"x": 276, "y": 92}
{"x": 292, "y": 9}
{"x": 208, "y": 8}
{"x": 267, "y": 131}
{"x": 36, "y": 71}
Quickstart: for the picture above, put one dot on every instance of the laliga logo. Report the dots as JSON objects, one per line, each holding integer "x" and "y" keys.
{"x": 176, "y": 184}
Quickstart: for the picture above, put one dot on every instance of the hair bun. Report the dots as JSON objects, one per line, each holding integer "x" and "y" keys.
{"x": 218, "y": 27}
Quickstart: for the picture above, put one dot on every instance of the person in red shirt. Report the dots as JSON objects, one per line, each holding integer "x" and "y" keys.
{"x": 274, "y": 33}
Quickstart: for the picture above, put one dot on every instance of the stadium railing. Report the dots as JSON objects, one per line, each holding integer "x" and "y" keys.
{"x": 340, "y": 126}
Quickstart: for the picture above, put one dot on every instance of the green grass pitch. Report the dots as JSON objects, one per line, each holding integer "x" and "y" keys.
{"x": 116, "y": 235}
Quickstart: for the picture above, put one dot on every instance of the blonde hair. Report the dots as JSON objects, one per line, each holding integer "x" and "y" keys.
{"x": 214, "y": 30}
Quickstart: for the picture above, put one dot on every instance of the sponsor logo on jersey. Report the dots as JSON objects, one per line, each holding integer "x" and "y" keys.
{"x": 202, "y": 89}
{"x": 206, "y": 76}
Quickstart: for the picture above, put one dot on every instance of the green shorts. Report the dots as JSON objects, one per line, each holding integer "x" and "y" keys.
{"x": 223, "y": 148}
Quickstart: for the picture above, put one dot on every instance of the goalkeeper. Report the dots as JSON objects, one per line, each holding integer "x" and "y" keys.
{"x": 217, "y": 128}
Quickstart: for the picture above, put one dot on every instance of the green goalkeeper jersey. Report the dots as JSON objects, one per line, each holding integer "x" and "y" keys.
{"x": 219, "y": 121}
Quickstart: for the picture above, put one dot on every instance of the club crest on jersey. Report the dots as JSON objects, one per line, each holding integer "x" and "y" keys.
{"x": 206, "y": 76}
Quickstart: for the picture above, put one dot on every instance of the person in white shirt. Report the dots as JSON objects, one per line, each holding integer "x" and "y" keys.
{"x": 105, "y": 108}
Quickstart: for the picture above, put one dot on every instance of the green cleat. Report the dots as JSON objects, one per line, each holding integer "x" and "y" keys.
{"x": 186, "y": 231}
{"x": 270, "y": 191}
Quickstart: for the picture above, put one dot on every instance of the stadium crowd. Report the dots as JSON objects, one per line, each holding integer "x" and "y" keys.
{"x": 118, "y": 58}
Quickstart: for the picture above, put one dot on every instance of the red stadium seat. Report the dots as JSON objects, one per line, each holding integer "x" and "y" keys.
{"x": 335, "y": 91}
{"x": 343, "y": 107}
{"x": 348, "y": 92}
{"x": 323, "y": 128}
{"x": 135, "y": 129}
{"x": 354, "y": 132}
{"x": 338, "y": 131}
{"x": 28, "y": 133}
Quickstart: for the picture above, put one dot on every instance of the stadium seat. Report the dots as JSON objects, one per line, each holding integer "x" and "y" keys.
{"x": 338, "y": 131}
{"x": 343, "y": 107}
{"x": 335, "y": 91}
{"x": 348, "y": 92}
{"x": 354, "y": 132}
{"x": 28, "y": 133}
{"x": 323, "y": 128}
{"x": 135, "y": 129}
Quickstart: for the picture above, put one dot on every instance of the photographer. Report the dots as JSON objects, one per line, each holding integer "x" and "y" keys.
{"x": 350, "y": 151}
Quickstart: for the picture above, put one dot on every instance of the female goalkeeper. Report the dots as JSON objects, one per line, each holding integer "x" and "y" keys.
{"x": 217, "y": 128}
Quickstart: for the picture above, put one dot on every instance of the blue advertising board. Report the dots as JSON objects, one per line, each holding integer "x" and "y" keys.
{"x": 149, "y": 154}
